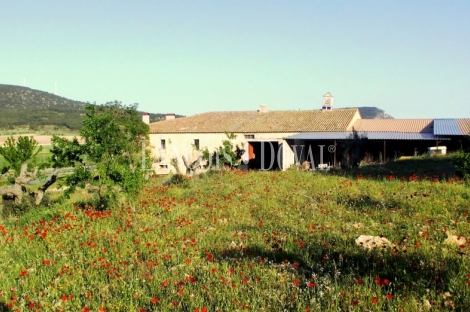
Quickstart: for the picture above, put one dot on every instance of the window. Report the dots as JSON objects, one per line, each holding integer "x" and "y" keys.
{"x": 249, "y": 136}
{"x": 162, "y": 144}
{"x": 196, "y": 143}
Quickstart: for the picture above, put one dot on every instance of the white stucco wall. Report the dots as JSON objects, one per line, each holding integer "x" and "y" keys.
{"x": 177, "y": 145}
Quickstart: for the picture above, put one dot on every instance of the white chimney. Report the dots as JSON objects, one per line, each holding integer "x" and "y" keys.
{"x": 327, "y": 101}
{"x": 263, "y": 109}
{"x": 146, "y": 118}
{"x": 170, "y": 116}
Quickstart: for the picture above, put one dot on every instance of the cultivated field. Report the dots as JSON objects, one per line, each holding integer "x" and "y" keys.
{"x": 260, "y": 241}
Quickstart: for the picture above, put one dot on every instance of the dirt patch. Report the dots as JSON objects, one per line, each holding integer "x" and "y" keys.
{"x": 41, "y": 139}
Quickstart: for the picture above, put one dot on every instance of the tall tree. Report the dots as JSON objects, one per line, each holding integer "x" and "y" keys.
{"x": 112, "y": 135}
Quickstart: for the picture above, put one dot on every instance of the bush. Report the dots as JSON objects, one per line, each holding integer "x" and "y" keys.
{"x": 462, "y": 164}
{"x": 10, "y": 208}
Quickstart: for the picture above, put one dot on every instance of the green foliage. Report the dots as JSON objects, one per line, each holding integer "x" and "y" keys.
{"x": 10, "y": 208}
{"x": 66, "y": 153}
{"x": 113, "y": 135}
{"x": 246, "y": 240}
{"x": 462, "y": 163}
{"x": 17, "y": 152}
{"x": 352, "y": 150}
{"x": 225, "y": 155}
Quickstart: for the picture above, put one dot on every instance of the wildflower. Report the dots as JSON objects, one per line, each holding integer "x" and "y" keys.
{"x": 359, "y": 281}
{"x": 46, "y": 262}
{"x": 85, "y": 309}
{"x": 389, "y": 296}
{"x": 154, "y": 300}
{"x": 375, "y": 300}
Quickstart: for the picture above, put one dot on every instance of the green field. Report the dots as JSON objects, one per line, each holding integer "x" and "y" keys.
{"x": 236, "y": 240}
{"x": 43, "y": 130}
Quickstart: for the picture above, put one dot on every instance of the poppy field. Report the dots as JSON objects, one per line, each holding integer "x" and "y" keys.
{"x": 237, "y": 240}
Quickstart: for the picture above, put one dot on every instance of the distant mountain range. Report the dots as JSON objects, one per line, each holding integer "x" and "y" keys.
{"x": 22, "y": 106}
{"x": 371, "y": 112}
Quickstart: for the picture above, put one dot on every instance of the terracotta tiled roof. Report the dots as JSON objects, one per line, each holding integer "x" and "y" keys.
{"x": 258, "y": 122}
{"x": 464, "y": 125}
{"x": 395, "y": 125}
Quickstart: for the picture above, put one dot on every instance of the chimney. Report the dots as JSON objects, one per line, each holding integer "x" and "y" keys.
{"x": 170, "y": 116}
{"x": 146, "y": 118}
{"x": 327, "y": 101}
{"x": 263, "y": 109}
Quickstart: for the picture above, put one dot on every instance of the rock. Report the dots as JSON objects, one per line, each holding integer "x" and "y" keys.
{"x": 455, "y": 240}
{"x": 372, "y": 242}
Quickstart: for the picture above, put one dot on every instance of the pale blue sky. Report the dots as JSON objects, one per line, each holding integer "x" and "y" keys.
{"x": 410, "y": 58}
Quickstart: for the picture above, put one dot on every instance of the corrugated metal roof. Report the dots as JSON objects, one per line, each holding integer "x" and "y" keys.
{"x": 395, "y": 125}
{"x": 369, "y": 135}
{"x": 259, "y": 122}
{"x": 446, "y": 126}
{"x": 464, "y": 125}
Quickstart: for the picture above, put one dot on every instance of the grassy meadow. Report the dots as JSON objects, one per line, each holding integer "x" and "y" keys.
{"x": 237, "y": 240}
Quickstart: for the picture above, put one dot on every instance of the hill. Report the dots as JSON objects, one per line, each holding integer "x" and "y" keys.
{"x": 371, "y": 112}
{"x": 22, "y": 106}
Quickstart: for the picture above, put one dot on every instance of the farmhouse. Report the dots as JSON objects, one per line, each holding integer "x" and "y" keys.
{"x": 261, "y": 133}
{"x": 278, "y": 139}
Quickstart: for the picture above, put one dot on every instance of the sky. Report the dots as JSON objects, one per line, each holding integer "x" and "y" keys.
{"x": 410, "y": 58}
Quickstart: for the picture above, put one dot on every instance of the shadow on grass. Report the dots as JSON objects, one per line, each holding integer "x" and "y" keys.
{"x": 440, "y": 167}
{"x": 410, "y": 274}
{"x": 4, "y": 307}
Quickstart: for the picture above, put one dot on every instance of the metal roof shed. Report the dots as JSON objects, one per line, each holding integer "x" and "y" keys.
{"x": 446, "y": 126}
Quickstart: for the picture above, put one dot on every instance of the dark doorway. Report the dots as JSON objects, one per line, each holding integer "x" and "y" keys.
{"x": 264, "y": 155}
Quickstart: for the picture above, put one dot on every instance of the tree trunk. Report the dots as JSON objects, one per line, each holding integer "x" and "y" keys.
{"x": 16, "y": 191}
{"x": 42, "y": 189}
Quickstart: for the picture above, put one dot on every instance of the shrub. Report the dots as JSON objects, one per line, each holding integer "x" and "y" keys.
{"x": 462, "y": 164}
{"x": 10, "y": 208}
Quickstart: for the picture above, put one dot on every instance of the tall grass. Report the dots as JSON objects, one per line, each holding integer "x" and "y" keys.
{"x": 233, "y": 241}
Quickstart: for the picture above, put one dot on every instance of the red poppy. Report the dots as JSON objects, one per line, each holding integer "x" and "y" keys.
{"x": 154, "y": 300}
{"x": 389, "y": 296}
{"x": 375, "y": 300}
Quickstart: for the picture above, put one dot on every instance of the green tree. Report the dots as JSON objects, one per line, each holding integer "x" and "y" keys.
{"x": 352, "y": 149}
{"x": 17, "y": 152}
{"x": 112, "y": 135}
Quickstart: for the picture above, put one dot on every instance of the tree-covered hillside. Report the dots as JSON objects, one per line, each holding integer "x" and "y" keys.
{"x": 22, "y": 106}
